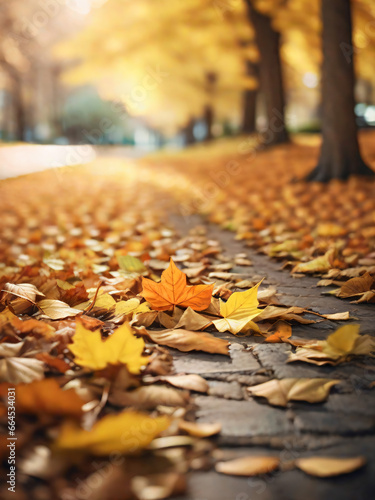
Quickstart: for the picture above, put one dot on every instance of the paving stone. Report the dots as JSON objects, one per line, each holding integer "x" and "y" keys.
{"x": 243, "y": 418}
{"x": 226, "y": 390}
{"x": 333, "y": 423}
{"x": 352, "y": 404}
{"x": 240, "y": 360}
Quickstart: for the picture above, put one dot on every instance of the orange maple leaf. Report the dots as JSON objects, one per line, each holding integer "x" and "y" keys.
{"x": 173, "y": 291}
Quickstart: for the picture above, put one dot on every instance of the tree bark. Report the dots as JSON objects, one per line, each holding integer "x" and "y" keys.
{"x": 19, "y": 110}
{"x": 340, "y": 156}
{"x": 249, "y": 103}
{"x": 189, "y": 132}
{"x": 270, "y": 75}
{"x": 208, "y": 119}
{"x": 17, "y": 99}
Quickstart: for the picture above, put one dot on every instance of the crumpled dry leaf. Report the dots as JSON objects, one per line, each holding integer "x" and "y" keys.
{"x": 287, "y": 313}
{"x": 248, "y": 466}
{"x": 45, "y": 397}
{"x": 238, "y": 312}
{"x": 24, "y": 291}
{"x": 122, "y": 347}
{"x": 173, "y": 291}
{"x": 56, "y": 309}
{"x": 185, "y": 340}
{"x": 279, "y": 392}
{"x": 329, "y": 466}
{"x": 126, "y": 432}
{"x": 356, "y": 286}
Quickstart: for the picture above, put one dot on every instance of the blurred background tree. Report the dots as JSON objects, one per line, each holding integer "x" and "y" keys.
{"x": 151, "y": 72}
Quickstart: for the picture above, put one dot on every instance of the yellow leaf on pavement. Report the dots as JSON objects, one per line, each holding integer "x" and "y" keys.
{"x": 238, "y": 311}
{"x": 126, "y": 432}
{"x": 248, "y": 466}
{"x": 279, "y": 392}
{"x": 122, "y": 346}
{"x": 329, "y": 466}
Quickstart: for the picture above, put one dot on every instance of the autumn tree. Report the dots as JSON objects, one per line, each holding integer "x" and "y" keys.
{"x": 340, "y": 156}
{"x": 270, "y": 74}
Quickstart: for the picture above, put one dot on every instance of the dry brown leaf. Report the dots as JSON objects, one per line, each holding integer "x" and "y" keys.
{"x": 248, "y": 466}
{"x": 200, "y": 429}
{"x": 191, "y": 382}
{"x": 149, "y": 397}
{"x": 55, "y": 309}
{"x": 341, "y": 316}
{"x": 185, "y": 340}
{"x": 356, "y": 286}
{"x": 21, "y": 370}
{"x": 192, "y": 320}
{"x": 24, "y": 291}
{"x": 329, "y": 466}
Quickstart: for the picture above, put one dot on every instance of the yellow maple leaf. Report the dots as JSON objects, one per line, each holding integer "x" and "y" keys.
{"x": 238, "y": 311}
{"x": 121, "y": 347}
{"x": 126, "y": 432}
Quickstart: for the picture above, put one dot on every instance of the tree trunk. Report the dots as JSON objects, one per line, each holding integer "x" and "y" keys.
{"x": 189, "y": 132}
{"x": 249, "y": 103}
{"x": 208, "y": 119}
{"x": 270, "y": 75}
{"x": 19, "y": 110}
{"x": 340, "y": 156}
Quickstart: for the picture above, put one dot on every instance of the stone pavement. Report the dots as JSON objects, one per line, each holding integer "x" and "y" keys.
{"x": 343, "y": 426}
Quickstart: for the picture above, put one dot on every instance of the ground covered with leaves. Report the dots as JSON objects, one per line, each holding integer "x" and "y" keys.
{"x": 142, "y": 353}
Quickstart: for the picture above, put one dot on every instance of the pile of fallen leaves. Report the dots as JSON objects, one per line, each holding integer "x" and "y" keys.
{"x": 96, "y": 289}
{"x": 322, "y": 229}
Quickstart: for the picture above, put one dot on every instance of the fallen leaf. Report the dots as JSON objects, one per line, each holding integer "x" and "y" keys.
{"x": 149, "y": 397}
{"x": 248, "y": 466}
{"x": 45, "y": 397}
{"x": 55, "y": 309}
{"x": 341, "y": 316}
{"x": 172, "y": 291}
{"x": 356, "y": 286}
{"x": 126, "y": 432}
{"x": 329, "y": 466}
{"x": 131, "y": 306}
{"x": 340, "y": 345}
{"x": 192, "y": 320}
{"x": 279, "y": 392}
{"x": 191, "y": 382}
{"x": 238, "y": 311}
{"x": 159, "y": 486}
{"x": 185, "y": 340}
{"x": 321, "y": 264}
{"x": 122, "y": 346}
{"x": 17, "y": 370}
{"x": 200, "y": 429}
{"x": 24, "y": 291}
{"x": 282, "y": 332}
{"x": 131, "y": 264}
